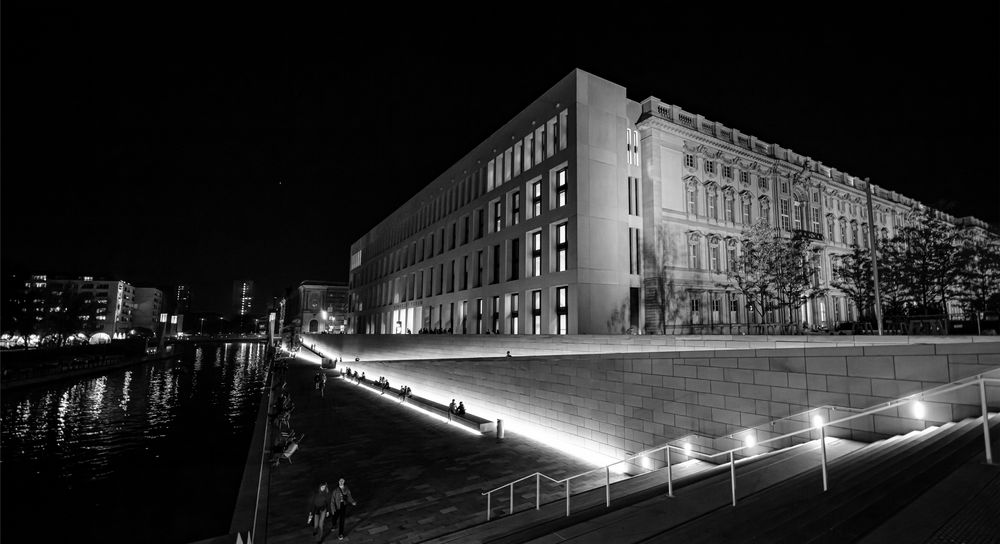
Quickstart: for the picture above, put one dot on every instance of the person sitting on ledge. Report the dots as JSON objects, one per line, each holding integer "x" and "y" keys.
{"x": 362, "y": 376}
{"x": 461, "y": 409}
{"x": 451, "y": 407}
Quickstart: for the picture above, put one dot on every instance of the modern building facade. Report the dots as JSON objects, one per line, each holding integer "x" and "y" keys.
{"x": 587, "y": 208}
{"x": 104, "y": 307}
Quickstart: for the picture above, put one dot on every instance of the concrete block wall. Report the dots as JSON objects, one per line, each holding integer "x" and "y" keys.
{"x": 616, "y": 404}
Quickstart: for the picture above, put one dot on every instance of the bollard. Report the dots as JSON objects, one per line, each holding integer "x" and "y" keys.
{"x": 499, "y": 429}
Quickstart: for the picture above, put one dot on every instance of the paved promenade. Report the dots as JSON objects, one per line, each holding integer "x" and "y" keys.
{"x": 413, "y": 477}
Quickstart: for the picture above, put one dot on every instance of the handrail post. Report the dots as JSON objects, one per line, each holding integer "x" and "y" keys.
{"x": 986, "y": 421}
{"x": 488, "y": 496}
{"x": 732, "y": 476}
{"x": 607, "y": 486}
{"x": 670, "y": 475}
{"x": 512, "y": 497}
{"x": 538, "y": 490}
{"x": 567, "y": 497}
{"x": 822, "y": 451}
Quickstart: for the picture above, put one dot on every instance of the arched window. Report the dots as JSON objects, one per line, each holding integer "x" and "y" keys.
{"x": 314, "y": 326}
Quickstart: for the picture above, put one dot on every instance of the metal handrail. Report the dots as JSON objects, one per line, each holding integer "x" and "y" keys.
{"x": 980, "y": 379}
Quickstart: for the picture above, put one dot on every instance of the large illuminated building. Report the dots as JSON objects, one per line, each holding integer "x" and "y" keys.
{"x": 589, "y": 213}
{"x": 242, "y": 297}
{"x": 103, "y": 307}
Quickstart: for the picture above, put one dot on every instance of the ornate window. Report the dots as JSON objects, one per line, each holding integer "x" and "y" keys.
{"x": 747, "y": 200}
{"x": 765, "y": 210}
{"x": 689, "y": 161}
{"x": 692, "y": 198}
{"x": 694, "y": 250}
{"x": 731, "y": 256}
{"x": 714, "y": 255}
{"x": 711, "y": 199}
{"x": 829, "y": 227}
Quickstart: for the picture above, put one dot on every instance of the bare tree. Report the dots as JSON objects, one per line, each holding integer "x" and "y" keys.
{"x": 658, "y": 282}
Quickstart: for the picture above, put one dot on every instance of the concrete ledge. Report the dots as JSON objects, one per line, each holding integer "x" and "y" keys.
{"x": 471, "y": 421}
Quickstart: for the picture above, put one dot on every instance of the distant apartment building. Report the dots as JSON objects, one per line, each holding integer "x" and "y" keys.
{"x": 590, "y": 213}
{"x": 149, "y": 304}
{"x": 242, "y": 297}
{"x": 102, "y": 306}
{"x": 182, "y": 299}
{"x": 316, "y": 306}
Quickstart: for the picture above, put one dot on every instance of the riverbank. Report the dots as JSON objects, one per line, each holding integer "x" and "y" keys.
{"x": 21, "y": 369}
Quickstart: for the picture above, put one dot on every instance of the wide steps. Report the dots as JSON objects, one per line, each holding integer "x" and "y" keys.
{"x": 864, "y": 488}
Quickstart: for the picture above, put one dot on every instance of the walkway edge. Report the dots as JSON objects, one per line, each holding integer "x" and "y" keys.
{"x": 250, "y": 512}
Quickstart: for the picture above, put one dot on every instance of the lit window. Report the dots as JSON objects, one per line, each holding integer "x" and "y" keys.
{"x": 536, "y": 312}
{"x": 514, "y": 325}
{"x": 536, "y": 198}
{"x": 497, "y": 218}
{"x": 562, "y": 310}
{"x": 561, "y": 188}
{"x": 798, "y": 219}
{"x": 536, "y": 253}
{"x": 528, "y": 140}
{"x": 783, "y": 209}
{"x": 562, "y": 247}
{"x": 515, "y": 208}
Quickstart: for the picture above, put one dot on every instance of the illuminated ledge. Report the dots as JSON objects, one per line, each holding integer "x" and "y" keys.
{"x": 468, "y": 422}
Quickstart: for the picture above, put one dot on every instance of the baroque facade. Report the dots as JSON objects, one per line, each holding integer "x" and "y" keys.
{"x": 589, "y": 213}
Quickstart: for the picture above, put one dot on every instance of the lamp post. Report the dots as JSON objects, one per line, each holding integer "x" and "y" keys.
{"x": 202, "y": 326}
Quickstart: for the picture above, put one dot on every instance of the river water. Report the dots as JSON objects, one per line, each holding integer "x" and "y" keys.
{"x": 150, "y": 453}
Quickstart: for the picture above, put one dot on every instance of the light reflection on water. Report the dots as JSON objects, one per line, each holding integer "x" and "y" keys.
{"x": 98, "y": 439}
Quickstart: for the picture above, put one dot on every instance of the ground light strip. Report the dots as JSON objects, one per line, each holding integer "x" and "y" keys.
{"x": 393, "y": 398}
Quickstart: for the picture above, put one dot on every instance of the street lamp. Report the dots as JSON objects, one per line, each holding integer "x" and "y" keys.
{"x": 202, "y": 326}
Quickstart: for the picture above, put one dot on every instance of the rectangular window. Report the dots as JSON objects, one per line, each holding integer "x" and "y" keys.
{"x": 563, "y": 129}
{"x": 550, "y": 143}
{"x": 815, "y": 221}
{"x": 497, "y": 217}
{"x": 515, "y": 207}
{"x": 496, "y": 265}
{"x": 454, "y": 235}
{"x": 783, "y": 209}
{"x": 479, "y": 268}
{"x": 495, "y": 325}
{"x": 562, "y": 310}
{"x": 797, "y": 219}
{"x": 711, "y": 198}
{"x": 479, "y": 223}
{"x": 517, "y": 158}
{"x": 634, "y": 251}
{"x": 514, "y": 307}
{"x": 528, "y": 140}
{"x": 695, "y": 308}
{"x": 507, "y": 163}
{"x": 536, "y": 253}
{"x": 731, "y": 260}
{"x": 536, "y": 312}
{"x": 689, "y": 161}
{"x": 489, "y": 176}
{"x": 561, "y": 188}
{"x": 539, "y": 144}
{"x": 465, "y": 272}
{"x": 465, "y": 230}
{"x": 440, "y": 278}
{"x": 784, "y": 186}
{"x": 479, "y": 316}
{"x": 515, "y": 259}
{"x": 730, "y": 204}
{"x": 692, "y": 200}
{"x": 727, "y": 172}
{"x": 562, "y": 247}
{"x": 710, "y": 167}
{"x": 829, "y": 228}
{"x": 746, "y": 211}
{"x": 693, "y": 255}
{"x": 714, "y": 257}
{"x": 745, "y": 177}
{"x": 763, "y": 183}
{"x": 536, "y": 198}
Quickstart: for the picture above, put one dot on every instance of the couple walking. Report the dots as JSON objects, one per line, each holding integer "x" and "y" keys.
{"x": 334, "y": 503}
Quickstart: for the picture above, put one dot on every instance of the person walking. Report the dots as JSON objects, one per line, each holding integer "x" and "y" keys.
{"x": 341, "y": 496}
{"x": 319, "y": 507}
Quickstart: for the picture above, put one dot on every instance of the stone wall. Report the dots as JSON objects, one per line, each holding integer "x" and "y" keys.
{"x": 447, "y": 346}
{"x": 616, "y": 404}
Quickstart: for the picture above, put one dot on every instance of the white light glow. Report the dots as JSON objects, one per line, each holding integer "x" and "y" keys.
{"x": 687, "y": 448}
{"x": 646, "y": 463}
{"x": 750, "y": 440}
{"x": 432, "y": 415}
{"x": 919, "y": 410}
{"x": 817, "y": 421}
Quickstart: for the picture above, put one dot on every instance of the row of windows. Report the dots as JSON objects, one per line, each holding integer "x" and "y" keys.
{"x": 541, "y": 143}
{"x": 711, "y": 168}
{"x": 489, "y": 319}
{"x": 504, "y": 211}
{"x": 470, "y": 271}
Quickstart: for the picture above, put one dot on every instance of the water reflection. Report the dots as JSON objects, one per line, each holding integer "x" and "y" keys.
{"x": 99, "y": 439}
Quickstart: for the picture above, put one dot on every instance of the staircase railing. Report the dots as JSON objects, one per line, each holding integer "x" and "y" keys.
{"x": 818, "y": 423}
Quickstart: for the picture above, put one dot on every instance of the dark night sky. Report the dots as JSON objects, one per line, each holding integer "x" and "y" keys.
{"x": 164, "y": 149}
